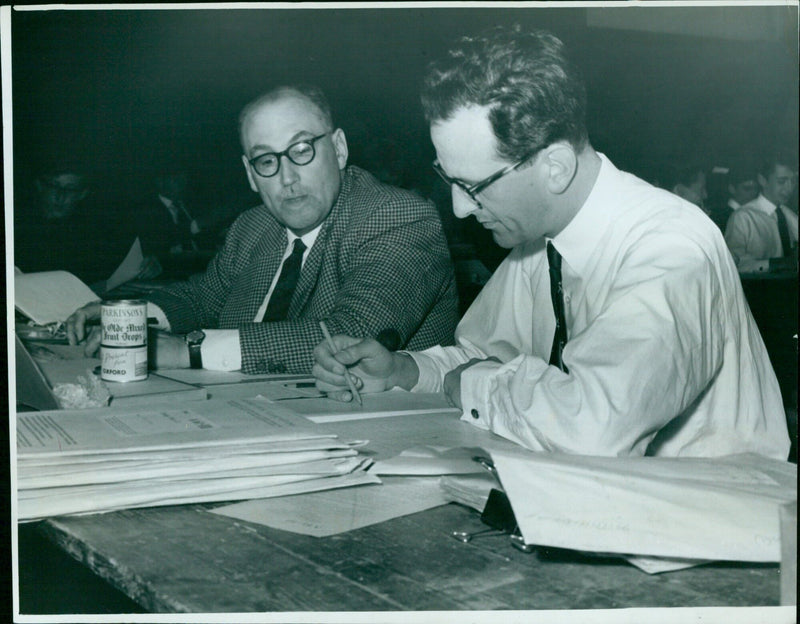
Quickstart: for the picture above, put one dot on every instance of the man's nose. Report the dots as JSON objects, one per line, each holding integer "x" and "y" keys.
{"x": 463, "y": 204}
{"x": 288, "y": 171}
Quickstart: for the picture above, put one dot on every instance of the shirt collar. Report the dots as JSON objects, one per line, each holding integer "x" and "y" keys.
{"x": 573, "y": 242}
{"x": 308, "y": 238}
{"x": 763, "y": 204}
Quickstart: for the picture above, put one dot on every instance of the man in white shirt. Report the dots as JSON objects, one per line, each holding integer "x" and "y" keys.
{"x": 762, "y": 235}
{"x": 643, "y": 345}
{"x": 742, "y": 186}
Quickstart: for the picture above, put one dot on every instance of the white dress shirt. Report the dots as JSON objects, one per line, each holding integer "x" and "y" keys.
{"x": 753, "y": 237}
{"x": 221, "y": 349}
{"x": 664, "y": 357}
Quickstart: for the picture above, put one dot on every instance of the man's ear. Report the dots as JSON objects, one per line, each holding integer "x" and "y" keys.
{"x": 562, "y": 165}
{"x": 762, "y": 181}
{"x": 249, "y": 173}
{"x": 340, "y": 145}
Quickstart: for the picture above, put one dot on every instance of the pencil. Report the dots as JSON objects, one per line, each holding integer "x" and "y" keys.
{"x": 331, "y": 344}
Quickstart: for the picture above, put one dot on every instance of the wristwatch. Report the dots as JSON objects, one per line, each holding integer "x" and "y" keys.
{"x": 193, "y": 340}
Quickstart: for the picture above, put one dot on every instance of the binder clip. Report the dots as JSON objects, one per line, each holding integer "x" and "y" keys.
{"x": 497, "y": 514}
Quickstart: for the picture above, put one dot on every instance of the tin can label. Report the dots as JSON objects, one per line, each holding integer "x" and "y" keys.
{"x": 123, "y": 347}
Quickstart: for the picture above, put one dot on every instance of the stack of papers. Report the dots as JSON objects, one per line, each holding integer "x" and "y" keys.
{"x": 88, "y": 461}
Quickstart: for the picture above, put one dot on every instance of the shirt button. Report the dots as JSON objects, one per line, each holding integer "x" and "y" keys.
{"x": 475, "y": 414}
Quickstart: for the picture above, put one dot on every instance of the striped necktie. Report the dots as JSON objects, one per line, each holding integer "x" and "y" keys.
{"x": 557, "y": 295}
{"x": 287, "y": 282}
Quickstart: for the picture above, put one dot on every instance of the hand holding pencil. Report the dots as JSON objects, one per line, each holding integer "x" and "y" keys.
{"x": 346, "y": 367}
{"x": 332, "y": 345}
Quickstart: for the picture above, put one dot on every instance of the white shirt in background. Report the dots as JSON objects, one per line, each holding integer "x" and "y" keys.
{"x": 753, "y": 237}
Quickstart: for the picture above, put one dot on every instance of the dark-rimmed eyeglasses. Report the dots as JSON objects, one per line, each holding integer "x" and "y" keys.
{"x": 301, "y": 153}
{"x": 477, "y": 188}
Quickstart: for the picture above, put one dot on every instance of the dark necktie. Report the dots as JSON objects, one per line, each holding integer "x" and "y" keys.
{"x": 287, "y": 281}
{"x": 783, "y": 230}
{"x": 557, "y": 295}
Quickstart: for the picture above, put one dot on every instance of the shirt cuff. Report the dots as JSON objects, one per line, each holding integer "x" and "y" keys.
{"x": 153, "y": 311}
{"x": 221, "y": 350}
{"x": 476, "y": 390}
{"x": 430, "y": 377}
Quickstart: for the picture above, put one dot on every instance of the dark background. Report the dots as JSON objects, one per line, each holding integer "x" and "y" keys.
{"x": 131, "y": 92}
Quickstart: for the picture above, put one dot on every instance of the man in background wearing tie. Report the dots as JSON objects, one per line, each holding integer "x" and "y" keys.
{"x": 762, "y": 234}
{"x": 617, "y": 323}
{"x": 329, "y": 243}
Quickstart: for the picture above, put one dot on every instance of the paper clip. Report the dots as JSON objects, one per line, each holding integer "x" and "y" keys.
{"x": 497, "y": 513}
{"x": 463, "y": 536}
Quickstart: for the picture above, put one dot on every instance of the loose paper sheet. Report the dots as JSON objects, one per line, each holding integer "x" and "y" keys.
{"x": 695, "y": 508}
{"x": 383, "y": 404}
{"x": 431, "y": 460}
{"x": 50, "y": 296}
{"x": 129, "y": 268}
{"x": 204, "y": 377}
{"x": 327, "y": 513}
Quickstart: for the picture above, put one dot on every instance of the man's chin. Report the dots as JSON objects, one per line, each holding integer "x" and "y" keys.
{"x": 503, "y": 241}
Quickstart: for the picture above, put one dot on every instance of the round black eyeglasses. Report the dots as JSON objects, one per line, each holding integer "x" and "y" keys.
{"x": 473, "y": 190}
{"x": 301, "y": 153}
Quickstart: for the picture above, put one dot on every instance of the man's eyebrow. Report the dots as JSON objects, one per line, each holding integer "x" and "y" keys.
{"x": 295, "y": 138}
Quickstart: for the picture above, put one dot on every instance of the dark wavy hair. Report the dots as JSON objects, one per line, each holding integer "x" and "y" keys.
{"x": 535, "y": 93}
{"x": 311, "y": 92}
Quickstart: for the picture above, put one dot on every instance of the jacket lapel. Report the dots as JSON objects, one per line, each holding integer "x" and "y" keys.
{"x": 265, "y": 263}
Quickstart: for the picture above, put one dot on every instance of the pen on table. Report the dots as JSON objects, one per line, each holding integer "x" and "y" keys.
{"x": 332, "y": 345}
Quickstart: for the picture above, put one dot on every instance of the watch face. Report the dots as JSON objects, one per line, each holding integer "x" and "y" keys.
{"x": 195, "y": 337}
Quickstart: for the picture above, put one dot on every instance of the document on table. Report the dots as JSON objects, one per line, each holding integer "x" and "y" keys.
{"x": 336, "y": 511}
{"x": 694, "y": 508}
{"x": 432, "y": 460}
{"x": 129, "y": 268}
{"x": 379, "y": 405}
{"x": 82, "y": 461}
{"x": 201, "y": 424}
{"x": 112, "y": 497}
{"x": 205, "y": 377}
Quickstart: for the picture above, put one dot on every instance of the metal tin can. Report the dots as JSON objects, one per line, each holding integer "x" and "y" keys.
{"x": 123, "y": 347}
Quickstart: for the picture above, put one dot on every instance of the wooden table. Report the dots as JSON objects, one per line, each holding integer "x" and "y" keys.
{"x": 185, "y": 559}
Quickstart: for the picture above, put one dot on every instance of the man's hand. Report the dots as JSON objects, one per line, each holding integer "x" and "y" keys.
{"x": 165, "y": 350}
{"x": 371, "y": 366}
{"x": 76, "y": 328}
{"x": 452, "y": 381}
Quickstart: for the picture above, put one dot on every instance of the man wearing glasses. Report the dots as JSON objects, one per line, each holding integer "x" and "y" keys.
{"x": 329, "y": 243}
{"x": 617, "y": 323}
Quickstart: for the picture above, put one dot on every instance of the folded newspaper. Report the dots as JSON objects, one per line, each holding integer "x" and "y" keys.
{"x": 89, "y": 461}
{"x": 684, "y": 510}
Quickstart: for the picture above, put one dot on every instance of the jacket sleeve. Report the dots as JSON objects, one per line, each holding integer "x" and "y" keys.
{"x": 197, "y": 302}
{"x": 393, "y": 269}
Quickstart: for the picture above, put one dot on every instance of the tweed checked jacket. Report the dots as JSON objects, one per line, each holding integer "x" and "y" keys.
{"x": 380, "y": 262}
